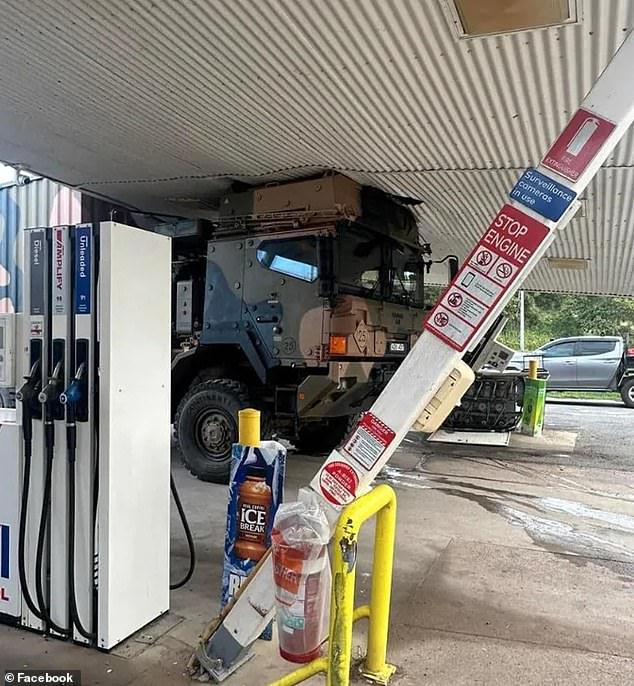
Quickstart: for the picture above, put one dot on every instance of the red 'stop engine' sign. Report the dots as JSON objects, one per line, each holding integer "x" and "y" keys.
{"x": 502, "y": 253}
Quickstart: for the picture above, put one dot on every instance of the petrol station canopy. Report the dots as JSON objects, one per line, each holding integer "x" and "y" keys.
{"x": 163, "y": 104}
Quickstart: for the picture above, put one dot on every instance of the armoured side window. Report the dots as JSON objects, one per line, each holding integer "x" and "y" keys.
{"x": 296, "y": 257}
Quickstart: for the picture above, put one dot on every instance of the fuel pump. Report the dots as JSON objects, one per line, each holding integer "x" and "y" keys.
{"x": 55, "y": 434}
{"x": 81, "y": 421}
{"x": 95, "y": 408}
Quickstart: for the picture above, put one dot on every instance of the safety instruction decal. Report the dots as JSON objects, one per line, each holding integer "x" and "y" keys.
{"x": 578, "y": 144}
{"x": 338, "y": 483}
{"x": 488, "y": 272}
{"x": 369, "y": 441}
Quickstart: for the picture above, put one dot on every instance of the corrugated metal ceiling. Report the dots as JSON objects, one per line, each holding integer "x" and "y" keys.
{"x": 155, "y": 101}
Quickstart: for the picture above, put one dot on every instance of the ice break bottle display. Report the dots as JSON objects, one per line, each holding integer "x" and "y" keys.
{"x": 254, "y": 507}
{"x": 256, "y": 489}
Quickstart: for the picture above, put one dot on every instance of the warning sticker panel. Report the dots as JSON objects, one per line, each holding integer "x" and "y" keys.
{"x": 493, "y": 265}
{"x": 503, "y": 272}
{"x": 338, "y": 483}
{"x": 465, "y": 306}
{"x": 450, "y": 327}
{"x": 478, "y": 286}
{"x": 483, "y": 259}
{"x": 369, "y": 441}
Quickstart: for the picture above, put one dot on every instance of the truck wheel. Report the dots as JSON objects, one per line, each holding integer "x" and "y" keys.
{"x": 324, "y": 435}
{"x": 627, "y": 392}
{"x": 206, "y": 426}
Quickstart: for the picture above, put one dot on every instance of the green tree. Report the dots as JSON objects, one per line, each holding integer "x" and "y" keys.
{"x": 557, "y": 315}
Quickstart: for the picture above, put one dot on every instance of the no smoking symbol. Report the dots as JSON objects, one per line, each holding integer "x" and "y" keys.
{"x": 503, "y": 270}
{"x": 441, "y": 319}
{"x": 484, "y": 258}
{"x": 455, "y": 299}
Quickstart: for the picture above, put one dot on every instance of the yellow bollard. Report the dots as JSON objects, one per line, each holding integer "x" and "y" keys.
{"x": 342, "y": 606}
{"x": 382, "y": 502}
{"x": 532, "y": 369}
{"x": 249, "y": 428}
{"x": 376, "y": 668}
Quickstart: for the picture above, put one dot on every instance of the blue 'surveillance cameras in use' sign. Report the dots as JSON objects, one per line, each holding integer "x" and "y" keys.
{"x": 541, "y": 194}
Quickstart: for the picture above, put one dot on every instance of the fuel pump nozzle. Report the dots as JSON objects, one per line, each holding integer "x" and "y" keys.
{"x": 72, "y": 395}
{"x": 50, "y": 392}
{"x": 28, "y": 395}
{"x": 28, "y": 390}
{"x": 48, "y": 396}
{"x": 70, "y": 398}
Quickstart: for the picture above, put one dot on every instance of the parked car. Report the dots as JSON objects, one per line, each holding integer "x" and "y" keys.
{"x": 584, "y": 363}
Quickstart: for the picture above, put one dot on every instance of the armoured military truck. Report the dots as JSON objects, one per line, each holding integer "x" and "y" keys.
{"x": 301, "y": 300}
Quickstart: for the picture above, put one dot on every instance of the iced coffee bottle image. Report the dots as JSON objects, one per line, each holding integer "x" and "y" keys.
{"x": 254, "y": 508}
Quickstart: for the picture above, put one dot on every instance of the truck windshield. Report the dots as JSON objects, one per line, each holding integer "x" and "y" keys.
{"x": 376, "y": 266}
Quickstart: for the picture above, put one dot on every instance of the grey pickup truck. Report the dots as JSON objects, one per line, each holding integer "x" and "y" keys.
{"x": 584, "y": 363}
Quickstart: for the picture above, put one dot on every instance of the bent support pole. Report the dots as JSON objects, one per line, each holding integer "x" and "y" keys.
{"x": 515, "y": 241}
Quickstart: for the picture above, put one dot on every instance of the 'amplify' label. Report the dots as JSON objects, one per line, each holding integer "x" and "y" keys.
{"x": 60, "y": 274}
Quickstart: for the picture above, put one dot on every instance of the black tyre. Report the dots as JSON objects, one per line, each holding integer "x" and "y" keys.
{"x": 627, "y": 392}
{"x": 206, "y": 426}
{"x": 322, "y": 436}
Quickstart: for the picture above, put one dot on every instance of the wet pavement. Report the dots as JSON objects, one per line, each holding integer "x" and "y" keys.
{"x": 512, "y": 566}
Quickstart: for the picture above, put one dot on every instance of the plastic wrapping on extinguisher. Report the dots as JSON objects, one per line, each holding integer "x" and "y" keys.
{"x": 256, "y": 489}
{"x": 302, "y": 577}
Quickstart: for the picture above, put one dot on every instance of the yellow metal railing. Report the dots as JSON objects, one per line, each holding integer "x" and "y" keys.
{"x": 380, "y": 501}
